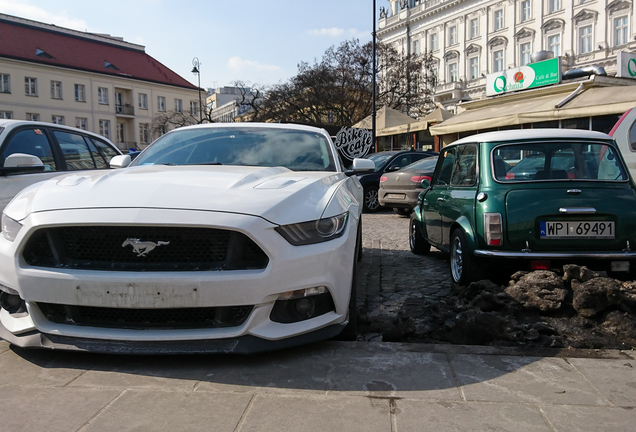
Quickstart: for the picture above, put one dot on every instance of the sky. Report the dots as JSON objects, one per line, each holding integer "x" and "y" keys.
{"x": 260, "y": 42}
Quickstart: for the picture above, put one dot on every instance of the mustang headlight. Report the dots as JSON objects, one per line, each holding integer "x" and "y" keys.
{"x": 316, "y": 231}
{"x": 10, "y": 228}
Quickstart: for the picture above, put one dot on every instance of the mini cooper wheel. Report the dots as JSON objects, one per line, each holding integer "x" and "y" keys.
{"x": 462, "y": 263}
{"x": 371, "y": 203}
{"x": 417, "y": 243}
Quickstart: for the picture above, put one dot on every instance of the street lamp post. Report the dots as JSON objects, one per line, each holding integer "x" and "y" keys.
{"x": 196, "y": 70}
{"x": 373, "y": 83}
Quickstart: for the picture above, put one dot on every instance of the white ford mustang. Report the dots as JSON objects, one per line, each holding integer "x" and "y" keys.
{"x": 217, "y": 238}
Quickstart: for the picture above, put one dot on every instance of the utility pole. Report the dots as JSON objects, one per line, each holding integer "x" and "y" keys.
{"x": 373, "y": 83}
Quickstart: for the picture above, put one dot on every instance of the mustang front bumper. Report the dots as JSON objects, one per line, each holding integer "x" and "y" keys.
{"x": 290, "y": 268}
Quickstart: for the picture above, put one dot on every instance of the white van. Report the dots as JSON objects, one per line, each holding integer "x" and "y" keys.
{"x": 34, "y": 151}
{"x": 624, "y": 132}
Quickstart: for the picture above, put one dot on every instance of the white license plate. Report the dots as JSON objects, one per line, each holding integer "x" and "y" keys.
{"x": 578, "y": 230}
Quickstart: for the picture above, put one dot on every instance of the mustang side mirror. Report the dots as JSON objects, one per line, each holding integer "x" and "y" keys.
{"x": 120, "y": 161}
{"x": 360, "y": 166}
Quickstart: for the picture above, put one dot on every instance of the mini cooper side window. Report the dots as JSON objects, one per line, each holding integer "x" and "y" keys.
{"x": 446, "y": 168}
{"x": 31, "y": 141}
{"x": 464, "y": 167}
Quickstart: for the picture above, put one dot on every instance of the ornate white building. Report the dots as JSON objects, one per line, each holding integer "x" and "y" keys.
{"x": 472, "y": 38}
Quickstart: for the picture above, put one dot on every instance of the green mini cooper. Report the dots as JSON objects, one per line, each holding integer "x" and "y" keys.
{"x": 526, "y": 200}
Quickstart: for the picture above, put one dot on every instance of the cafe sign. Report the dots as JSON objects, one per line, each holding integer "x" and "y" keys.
{"x": 626, "y": 65}
{"x": 532, "y": 75}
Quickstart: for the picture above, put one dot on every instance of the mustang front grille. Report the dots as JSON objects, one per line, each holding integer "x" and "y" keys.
{"x": 175, "y": 318}
{"x": 143, "y": 248}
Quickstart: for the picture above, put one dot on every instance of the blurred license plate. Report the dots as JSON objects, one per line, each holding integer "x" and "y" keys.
{"x": 576, "y": 229}
{"x": 395, "y": 196}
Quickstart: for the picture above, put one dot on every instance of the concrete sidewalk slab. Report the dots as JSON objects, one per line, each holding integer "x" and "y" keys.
{"x": 346, "y": 386}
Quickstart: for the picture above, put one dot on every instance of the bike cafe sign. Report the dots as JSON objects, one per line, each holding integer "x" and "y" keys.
{"x": 353, "y": 142}
{"x": 626, "y": 65}
{"x": 532, "y": 75}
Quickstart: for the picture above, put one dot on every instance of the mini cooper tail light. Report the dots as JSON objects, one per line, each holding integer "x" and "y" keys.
{"x": 383, "y": 179}
{"x": 493, "y": 229}
{"x": 540, "y": 265}
{"x": 418, "y": 179}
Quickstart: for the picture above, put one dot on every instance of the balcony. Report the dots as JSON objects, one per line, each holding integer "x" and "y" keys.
{"x": 124, "y": 110}
{"x": 449, "y": 91}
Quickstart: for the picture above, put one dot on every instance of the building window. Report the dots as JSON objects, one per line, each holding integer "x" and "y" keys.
{"x": 498, "y": 61}
{"x": 526, "y": 12}
{"x": 452, "y": 72}
{"x": 585, "y": 39}
{"x": 620, "y": 31}
{"x": 57, "y": 119}
{"x": 554, "y": 44}
{"x": 144, "y": 133}
{"x": 30, "y": 86}
{"x": 81, "y": 123}
{"x": 499, "y": 19}
{"x": 178, "y": 105}
{"x": 5, "y": 83}
{"x": 416, "y": 47}
{"x": 434, "y": 46}
{"x": 104, "y": 128}
{"x": 474, "y": 28}
{"x": 56, "y": 90}
{"x": 102, "y": 96}
{"x": 143, "y": 101}
{"x": 161, "y": 103}
{"x": 6, "y": 114}
{"x": 452, "y": 35}
{"x": 473, "y": 67}
{"x": 80, "y": 93}
{"x": 120, "y": 133}
{"x": 194, "y": 107}
{"x": 554, "y": 5}
{"x": 33, "y": 117}
{"x": 525, "y": 51}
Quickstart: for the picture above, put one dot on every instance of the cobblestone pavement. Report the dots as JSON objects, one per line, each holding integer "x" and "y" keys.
{"x": 389, "y": 272}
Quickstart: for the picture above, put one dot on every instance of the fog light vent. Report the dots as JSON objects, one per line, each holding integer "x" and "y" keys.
{"x": 302, "y": 305}
{"x": 12, "y": 303}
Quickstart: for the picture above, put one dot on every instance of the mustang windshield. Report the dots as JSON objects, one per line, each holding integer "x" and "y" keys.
{"x": 558, "y": 161}
{"x": 267, "y": 147}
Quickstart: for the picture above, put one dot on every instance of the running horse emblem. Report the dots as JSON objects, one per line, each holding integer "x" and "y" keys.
{"x": 142, "y": 248}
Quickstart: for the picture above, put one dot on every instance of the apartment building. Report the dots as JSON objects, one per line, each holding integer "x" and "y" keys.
{"x": 94, "y": 82}
{"x": 470, "y": 39}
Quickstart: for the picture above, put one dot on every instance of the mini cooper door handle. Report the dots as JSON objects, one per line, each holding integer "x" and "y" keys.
{"x": 577, "y": 210}
{"x": 441, "y": 199}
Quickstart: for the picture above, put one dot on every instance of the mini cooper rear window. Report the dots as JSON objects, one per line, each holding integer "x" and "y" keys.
{"x": 557, "y": 161}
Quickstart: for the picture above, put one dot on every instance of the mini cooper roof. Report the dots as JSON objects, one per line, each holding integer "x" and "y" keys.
{"x": 530, "y": 134}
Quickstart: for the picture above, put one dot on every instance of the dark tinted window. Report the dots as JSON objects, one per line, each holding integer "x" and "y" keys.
{"x": 446, "y": 169}
{"x": 465, "y": 168}
{"x": 30, "y": 141}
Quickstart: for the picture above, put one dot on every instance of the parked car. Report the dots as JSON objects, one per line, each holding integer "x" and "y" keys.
{"x": 624, "y": 132}
{"x": 488, "y": 220}
{"x": 399, "y": 190}
{"x": 385, "y": 162}
{"x": 34, "y": 151}
{"x": 242, "y": 238}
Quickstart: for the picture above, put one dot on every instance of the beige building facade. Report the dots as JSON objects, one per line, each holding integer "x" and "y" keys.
{"x": 56, "y": 76}
{"x": 470, "y": 39}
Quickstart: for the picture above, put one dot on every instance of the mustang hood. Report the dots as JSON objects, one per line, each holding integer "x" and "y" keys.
{"x": 266, "y": 192}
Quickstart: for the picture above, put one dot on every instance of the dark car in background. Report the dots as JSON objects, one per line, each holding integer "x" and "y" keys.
{"x": 399, "y": 190}
{"x": 386, "y": 162}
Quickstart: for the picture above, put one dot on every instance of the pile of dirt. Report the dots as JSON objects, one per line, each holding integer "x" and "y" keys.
{"x": 574, "y": 308}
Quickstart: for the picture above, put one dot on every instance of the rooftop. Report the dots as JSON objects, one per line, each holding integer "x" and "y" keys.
{"x": 36, "y": 42}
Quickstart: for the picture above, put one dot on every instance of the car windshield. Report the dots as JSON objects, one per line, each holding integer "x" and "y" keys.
{"x": 558, "y": 161}
{"x": 427, "y": 164}
{"x": 379, "y": 159}
{"x": 296, "y": 150}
